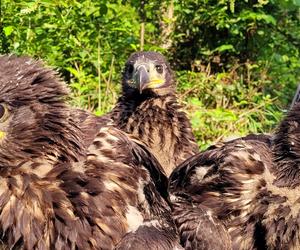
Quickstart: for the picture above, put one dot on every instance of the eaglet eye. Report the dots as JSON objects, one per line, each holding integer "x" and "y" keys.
{"x": 130, "y": 68}
{"x": 159, "y": 68}
{"x": 3, "y": 112}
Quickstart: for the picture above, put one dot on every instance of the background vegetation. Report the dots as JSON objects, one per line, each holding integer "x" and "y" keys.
{"x": 237, "y": 62}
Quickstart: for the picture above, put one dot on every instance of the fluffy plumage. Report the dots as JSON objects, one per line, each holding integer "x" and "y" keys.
{"x": 245, "y": 192}
{"x": 67, "y": 180}
{"x": 149, "y": 110}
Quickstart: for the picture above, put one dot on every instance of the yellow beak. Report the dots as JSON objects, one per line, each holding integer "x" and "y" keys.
{"x": 154, "y": 83}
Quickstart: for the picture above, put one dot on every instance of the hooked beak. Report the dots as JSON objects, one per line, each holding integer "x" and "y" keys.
{"x": 142, "y": 78}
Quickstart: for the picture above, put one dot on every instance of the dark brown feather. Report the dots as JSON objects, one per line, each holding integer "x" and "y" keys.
{"x": 148, "y": 237}
{"x": 69, "y": 180}
{"x": 155, "y": 117}
{"x": 249, "y": 185}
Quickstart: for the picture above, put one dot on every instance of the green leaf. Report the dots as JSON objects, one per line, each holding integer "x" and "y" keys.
{"x": 285, "y": 58}
{"x": 224, "y": 47}
{"x": 297, "y": 2}
{"x": 8, "y": 30}
{"x": 73, "y": 71}
{"x": 260, "y": 32}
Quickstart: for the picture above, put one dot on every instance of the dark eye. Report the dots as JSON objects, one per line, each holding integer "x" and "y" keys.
{"x": 3, "y": 112}
{"x": 159, "y": 68}
{"x": 130, "y": 68}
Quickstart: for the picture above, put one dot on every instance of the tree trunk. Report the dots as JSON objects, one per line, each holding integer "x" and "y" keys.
{"x": 167, "y": 24}
{"x": 142, "y": 14}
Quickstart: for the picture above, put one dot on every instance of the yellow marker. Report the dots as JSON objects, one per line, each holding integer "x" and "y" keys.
{"x": 2, "y": 134}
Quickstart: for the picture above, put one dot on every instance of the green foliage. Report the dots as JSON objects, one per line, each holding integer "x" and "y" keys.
{"x": 87, "y": 40}
{"x": 220, "y": 103}
{"x": 226, "y": 33}
{"x": 237, "y": 62}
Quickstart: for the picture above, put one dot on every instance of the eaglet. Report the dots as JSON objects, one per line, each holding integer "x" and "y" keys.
{"x": 67, "y": 180}
{"x": 244, "y": 194}
{"x": 149, "y": 110}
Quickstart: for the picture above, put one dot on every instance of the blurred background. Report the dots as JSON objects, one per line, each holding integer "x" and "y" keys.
{"x": 237, "y": 62}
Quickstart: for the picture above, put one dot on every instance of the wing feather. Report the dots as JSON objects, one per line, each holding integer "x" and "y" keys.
{"x": 216, "y": 191}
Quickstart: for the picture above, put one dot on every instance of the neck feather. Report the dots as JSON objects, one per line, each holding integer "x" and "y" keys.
{"x": 286, "y": 149}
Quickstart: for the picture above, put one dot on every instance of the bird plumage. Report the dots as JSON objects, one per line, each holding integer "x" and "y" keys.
{"x": 70, "y": 180}
{"x": 248, "y": 188}
{"x": 148, "y": 109}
